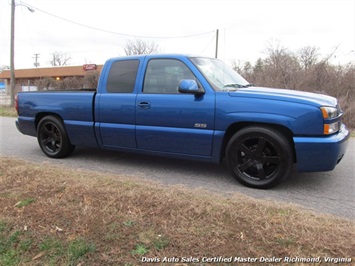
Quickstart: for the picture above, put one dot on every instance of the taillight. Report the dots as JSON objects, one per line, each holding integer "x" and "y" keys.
{"x": 16, "y": 104}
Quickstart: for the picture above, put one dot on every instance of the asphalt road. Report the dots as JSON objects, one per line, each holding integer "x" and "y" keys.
{"x": 326, "y": 192}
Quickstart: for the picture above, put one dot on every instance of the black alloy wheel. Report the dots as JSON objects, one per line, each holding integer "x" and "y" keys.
{"x": 259, "y": 157}
{"x": 52, "y": 138}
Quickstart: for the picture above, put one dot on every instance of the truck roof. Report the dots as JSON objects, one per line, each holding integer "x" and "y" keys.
{"x": 168, "y": 55}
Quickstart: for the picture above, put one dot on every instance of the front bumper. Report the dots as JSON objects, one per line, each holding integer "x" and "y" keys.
{"x": 316, "y": 154}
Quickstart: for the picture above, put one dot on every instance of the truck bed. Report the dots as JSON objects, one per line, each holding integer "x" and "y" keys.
{"x": 76, "y": 108}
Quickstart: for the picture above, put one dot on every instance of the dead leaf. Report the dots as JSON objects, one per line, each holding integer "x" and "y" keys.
{"x": 39, "y": 255}
{"x": 105, "y": 257}
{"x": 58, "y": 229}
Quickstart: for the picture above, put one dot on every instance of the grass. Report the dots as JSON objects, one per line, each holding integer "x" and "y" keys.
{"x": 7, "y": 111}
{"x": 140, "y": 250}
{"x": 25, "y": 202}
{"x": 20, "y": 247}
{"x": 89, "y": 218}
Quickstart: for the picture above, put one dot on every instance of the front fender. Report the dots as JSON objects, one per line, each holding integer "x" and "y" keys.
{"x": 262, "y": 118}
{"x": 300, "y": 119}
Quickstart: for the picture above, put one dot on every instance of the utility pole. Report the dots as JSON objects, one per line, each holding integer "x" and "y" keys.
{"x": 12, "y": 49}
{"x": 216, "y": 55}
{"x": 36, "y": 64}
{"x": 12, "y": 52}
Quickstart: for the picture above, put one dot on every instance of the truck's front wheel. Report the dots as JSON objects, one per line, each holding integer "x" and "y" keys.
{"x": 259, "y": 157}
{"x": 52, "y": 138}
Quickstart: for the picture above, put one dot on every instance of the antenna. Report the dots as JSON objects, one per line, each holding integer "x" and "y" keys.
{"x": 217, "y": 33}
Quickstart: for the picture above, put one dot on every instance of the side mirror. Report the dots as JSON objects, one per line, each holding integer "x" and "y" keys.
{"x": 190, "y": 86}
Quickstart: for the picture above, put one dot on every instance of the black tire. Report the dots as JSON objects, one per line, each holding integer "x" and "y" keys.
{"x": 52, "y": 138}
{"x": 259, "y": 157}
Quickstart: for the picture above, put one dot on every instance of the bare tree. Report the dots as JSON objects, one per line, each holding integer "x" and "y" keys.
{"x": 243, "y": 68}
{"x": 237, "y": 66}
{"x": 139, "y": 46}
{"x": 4, "y": 67}
{"x": 308, "y": 56}
{"x": 60, "y": 59}
{"x": 281, "y": 65}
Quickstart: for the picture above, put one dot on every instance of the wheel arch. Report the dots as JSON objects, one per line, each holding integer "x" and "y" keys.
{"x": 41, "y": 115}
{"x": 233, "y": 128}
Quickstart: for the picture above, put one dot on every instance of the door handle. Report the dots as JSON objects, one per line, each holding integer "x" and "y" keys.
{"x": 144, "y": 105}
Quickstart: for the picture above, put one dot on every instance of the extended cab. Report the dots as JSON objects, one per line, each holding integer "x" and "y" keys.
{"x": 190, "y": 108}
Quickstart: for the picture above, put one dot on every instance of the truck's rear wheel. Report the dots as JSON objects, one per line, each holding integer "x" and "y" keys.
{"x": 259, "y": 157}
{"x": 52, "y": 137}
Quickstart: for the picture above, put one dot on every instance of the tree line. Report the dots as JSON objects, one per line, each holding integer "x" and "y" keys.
{"x": 304, "y": 70}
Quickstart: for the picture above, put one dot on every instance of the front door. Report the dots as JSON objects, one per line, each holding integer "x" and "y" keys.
{"x": 169, "y": 121}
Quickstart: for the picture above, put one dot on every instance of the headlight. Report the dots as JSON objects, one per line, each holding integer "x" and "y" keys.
{"x": 331, "y": 128}
{"x": 329, "y": 112}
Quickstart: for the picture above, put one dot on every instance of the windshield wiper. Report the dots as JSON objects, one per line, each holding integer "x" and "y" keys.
{"x": 238, "y": 85}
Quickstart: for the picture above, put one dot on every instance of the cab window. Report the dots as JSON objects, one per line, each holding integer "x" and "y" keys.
{"x": 122, "y": 76}
{"x": 164, "y": 76}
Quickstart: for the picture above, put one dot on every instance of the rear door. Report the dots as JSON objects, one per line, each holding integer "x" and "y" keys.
{"x": 169, "y": 121}
{"x": 115, "y": 108}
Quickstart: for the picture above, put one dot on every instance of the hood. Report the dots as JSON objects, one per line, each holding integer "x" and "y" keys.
{"x": 309, "y": 98}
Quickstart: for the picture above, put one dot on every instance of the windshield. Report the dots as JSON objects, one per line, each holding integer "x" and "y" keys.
{"x": 221, "y": 76}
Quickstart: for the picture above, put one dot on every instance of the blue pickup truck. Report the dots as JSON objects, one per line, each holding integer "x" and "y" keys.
{"x": 190, "y": 107}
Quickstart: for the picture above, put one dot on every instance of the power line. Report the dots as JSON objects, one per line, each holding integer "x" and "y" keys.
{"x": 116, "y": 33}
{"x": 208, "y": 44}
